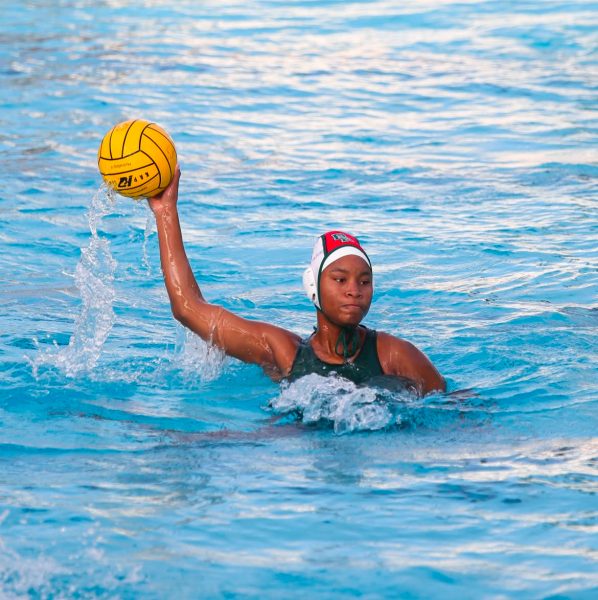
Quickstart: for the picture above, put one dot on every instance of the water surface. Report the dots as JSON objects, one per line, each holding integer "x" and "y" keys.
{"x": 458, "y": 141}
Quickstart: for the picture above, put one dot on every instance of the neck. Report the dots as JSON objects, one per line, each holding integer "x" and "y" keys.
{"x": 335, "y": 340}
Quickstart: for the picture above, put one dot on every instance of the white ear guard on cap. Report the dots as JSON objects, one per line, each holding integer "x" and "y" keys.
{"x": 310, "y": 287}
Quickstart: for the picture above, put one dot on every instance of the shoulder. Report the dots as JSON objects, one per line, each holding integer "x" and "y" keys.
{"x": 395, "y": 352}
{"x": 402, "y": 358}
{"x": 283, "y": 346}
{"x": 270, "y": 346}
{"x": 278, "y": 339}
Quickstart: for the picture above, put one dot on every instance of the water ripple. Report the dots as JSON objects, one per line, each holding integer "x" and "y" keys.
{"x": 457, "y": 140}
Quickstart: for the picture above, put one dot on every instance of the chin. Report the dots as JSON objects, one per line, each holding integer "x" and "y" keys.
{"x": 347, "y": 321}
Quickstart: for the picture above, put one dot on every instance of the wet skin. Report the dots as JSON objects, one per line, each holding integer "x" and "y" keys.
{"x": 345, "y": 294}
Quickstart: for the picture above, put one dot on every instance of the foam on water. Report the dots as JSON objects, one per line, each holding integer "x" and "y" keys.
{"x": 346, "y": 406}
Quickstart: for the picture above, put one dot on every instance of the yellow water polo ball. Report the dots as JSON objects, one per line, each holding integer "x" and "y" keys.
{"x": 137, "y": 158}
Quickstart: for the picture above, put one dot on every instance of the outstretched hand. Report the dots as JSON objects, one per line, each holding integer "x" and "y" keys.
{"x": 168, "y": 198}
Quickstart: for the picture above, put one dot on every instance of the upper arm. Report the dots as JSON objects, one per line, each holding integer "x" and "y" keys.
{"x": 400, "y": 357}
{"x": 269, "y": 346}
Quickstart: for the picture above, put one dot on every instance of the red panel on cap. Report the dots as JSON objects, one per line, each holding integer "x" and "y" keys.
{"x": 336, "y": 239}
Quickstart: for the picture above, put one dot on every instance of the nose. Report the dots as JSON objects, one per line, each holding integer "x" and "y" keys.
{"x": 353, "y": 289}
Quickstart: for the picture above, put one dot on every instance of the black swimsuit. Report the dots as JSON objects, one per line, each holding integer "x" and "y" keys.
{"x": 365, "y": 366}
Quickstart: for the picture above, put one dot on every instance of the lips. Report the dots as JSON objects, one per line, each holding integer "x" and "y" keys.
{"x": 352, "y": 307}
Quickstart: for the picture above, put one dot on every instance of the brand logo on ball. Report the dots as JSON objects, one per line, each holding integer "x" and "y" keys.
{"x": 125, "y": 182}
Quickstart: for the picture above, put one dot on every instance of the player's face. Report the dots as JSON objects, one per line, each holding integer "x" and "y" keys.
{"x": 346, "y": 290}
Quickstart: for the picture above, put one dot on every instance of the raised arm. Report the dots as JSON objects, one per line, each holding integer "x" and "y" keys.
{"x": 273, "y": 348}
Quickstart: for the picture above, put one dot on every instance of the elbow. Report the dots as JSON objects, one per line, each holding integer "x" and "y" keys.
{"x": 194, "y": 315}
{"x": 180, "y": 311}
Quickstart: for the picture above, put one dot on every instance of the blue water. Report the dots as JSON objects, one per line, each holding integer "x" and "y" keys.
{"x": 458, "y": 140}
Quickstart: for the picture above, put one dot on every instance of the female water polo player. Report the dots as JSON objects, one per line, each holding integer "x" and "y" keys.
{"x": 339, "y": 283}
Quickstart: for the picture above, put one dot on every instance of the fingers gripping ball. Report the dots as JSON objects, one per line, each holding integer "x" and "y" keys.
{"x": 137, "y": 158}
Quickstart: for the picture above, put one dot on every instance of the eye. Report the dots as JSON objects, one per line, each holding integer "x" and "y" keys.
{"x": 366, "y": 282}
{"x": 340, "y": 279}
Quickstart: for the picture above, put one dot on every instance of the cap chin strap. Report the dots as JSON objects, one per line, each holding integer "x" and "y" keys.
{"x": 348, "y": 338}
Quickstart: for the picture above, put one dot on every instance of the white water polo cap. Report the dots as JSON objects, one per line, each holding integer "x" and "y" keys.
{"x": 329, "y": 248}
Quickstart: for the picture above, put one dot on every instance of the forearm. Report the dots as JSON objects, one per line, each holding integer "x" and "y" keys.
{"x": 181, "y": 284}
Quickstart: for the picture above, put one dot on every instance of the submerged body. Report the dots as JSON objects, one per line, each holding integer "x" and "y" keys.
{"x": 340, "y": 285}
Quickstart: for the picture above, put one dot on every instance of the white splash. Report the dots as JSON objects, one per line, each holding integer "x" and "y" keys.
{"x": 347, "y": 406}
{"x": 20, "y": 575}
{"x": 149, "y": 227}
{"x": 198, "y": 359}
{"x": 94, "y": 279}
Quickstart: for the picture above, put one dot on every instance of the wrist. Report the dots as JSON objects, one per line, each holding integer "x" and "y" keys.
{"x": 161, "y": 209}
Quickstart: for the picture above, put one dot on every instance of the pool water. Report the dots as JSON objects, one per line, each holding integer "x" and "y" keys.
{"x": 458, "y": 141}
